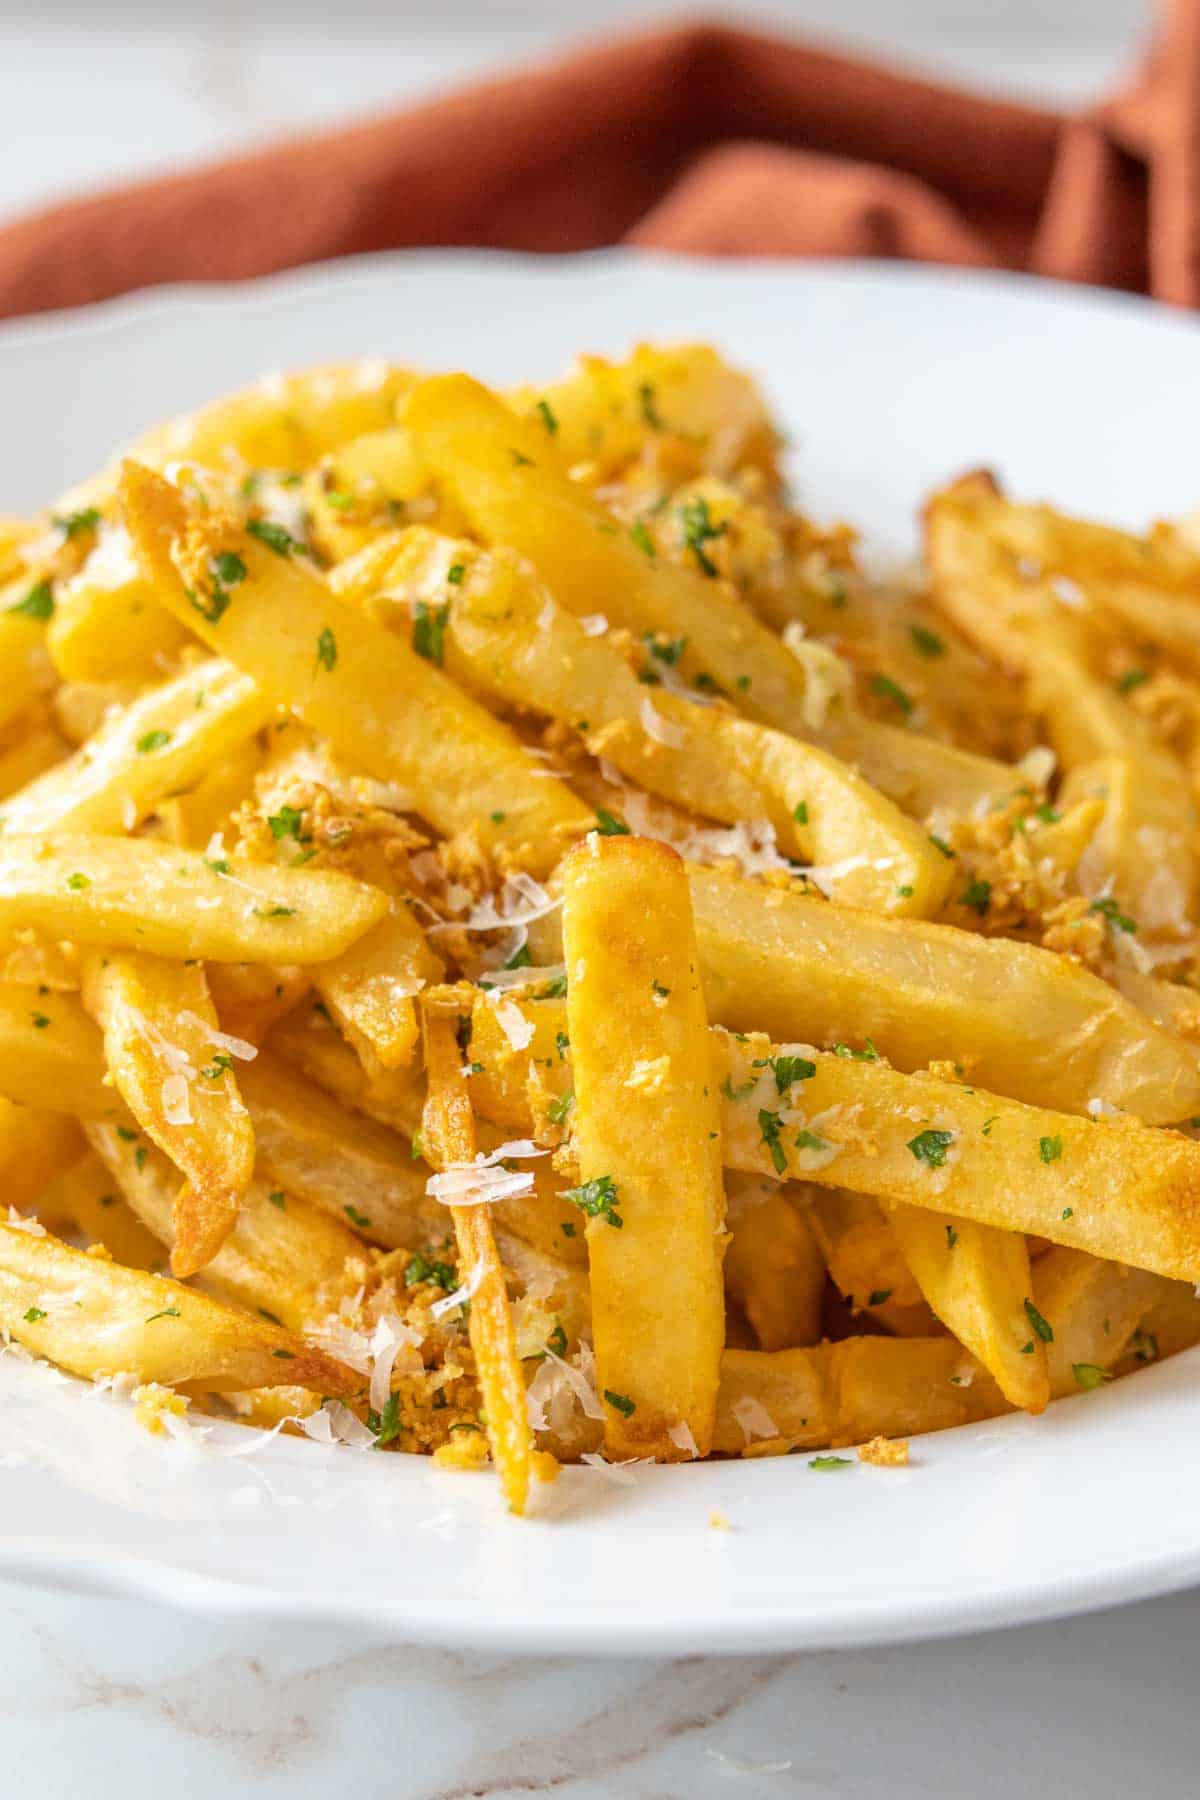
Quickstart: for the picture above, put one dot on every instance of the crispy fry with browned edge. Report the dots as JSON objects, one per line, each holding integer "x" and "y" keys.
{"x": 95, "y": 1318}
{"x": 977, "y": 1281}
{"x": 391, "y": 709}
{"x": 448, "y": 1135}
{"x": 774, "y": 1269}
{"x": 175, "y": 1070}
{"x": 646, "y": 1123}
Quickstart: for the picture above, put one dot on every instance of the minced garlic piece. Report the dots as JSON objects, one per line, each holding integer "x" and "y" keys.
{"x": 151, "y": 1401}
{"x": 885, "y": 1453}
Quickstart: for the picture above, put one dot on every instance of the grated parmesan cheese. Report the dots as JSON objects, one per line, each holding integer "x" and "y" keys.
{"x": 754, "y": 1419}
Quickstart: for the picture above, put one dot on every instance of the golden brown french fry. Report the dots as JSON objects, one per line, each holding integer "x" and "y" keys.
{"x": 95, "y": 1318}
{"x": 371, "y": 988}
{"x": 85, "y": 1197}
{"x": 174, "y": 1068}
{"x": 51, "y": 1054}
{"x": 107, "y": 624}
{"x": 864, "y": 1259}
{"x": 774, "y": 1269}
{"x": 507, "y": 639}
{"x": 25, "y": 671}
{"x": 132, "y": 893}
{"x": 846, "y": 1393}
{"x": 448, "y": 1135}
{"x": 193, "y": 818}
{"x": 1114, "y": 1187}
{"x": 389, "y": 708}
{"x": 164, "y": 741}
{"x": 975, "y": 581}
{"x": 685, "y": 398}
{"x": 31, "y": 750}
{"x": 1171, "y": 1324}
{"x": 308, "y": 1039}
{"x": 36, "y": 1147}
{"x": 646, "y": 1127}
{"x": 282, "y": 423}
{"x": 1089, "y": 1310}
{"x": 311, "y": 1147}
{"x": 977, "y": 1281}
{"x": 287, "y": 1262}
{"x": 1020, "y": 1020}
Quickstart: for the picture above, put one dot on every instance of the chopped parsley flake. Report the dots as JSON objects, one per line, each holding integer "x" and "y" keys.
{"x": 385, "y": 1424}
{"x": 666, "y": 650}
{"x": 1112, "y": 912}
{"x": 951, "y": 1237}
{"x": 822, "y": 1463}
{"x": 650, "y": 413}
{"x": 978, "y": 897}
{"x": 1132, "y": 678}
{"x": 274, "y": 912}
{"x": 278, "y": 1199}
{"x": 422, "y": 1268}
{"x": 941, "y": 844}
{"x": 787, "y": 1069}
{"x": 153, "y": 740}
{"x": 621, "y": 1403}
{"x": 562, "y": 1044}
{"x": 931, "y": 1146}
{"x": 217, "y": 1067}
{"x": 768, "y": 1125}
{"x": 808, "y": 1140}
{"x": 642, "y": 538}
{"x": 887, "y": 689}
{"x": 879, "y": 1296}
{"x": 38, "y": 602}
{"x": 288, "y": 822}
{"x": 356, "y": 1218}
{"x": 168, "y": 1312}
{"x": 1040, "y": 1325}
{"x": 32, "y": 1316}
{"x": 327, "y": 650}
{"x": 273, "y": 536}
{"x": 926, "y": 641}
{"x": 73, "y": 524}
{"x": 867, "y": 1054}
{"x": 77, "y": 882}
{"x": 598, "y": 1199}
{"x": 546, "y": 414}
{"x": 225, "y": 571}
{"x": 40, "y": 1021}
{"x": 1050, "y": 1149}
{"x": 429, "y": 631}
{"x": 557, "y": 1341}
{"x": 1090, "y": 1375}
{"x": 608, "y": 825}
{"x": 800, "y": 813}
{"x": 558, "y": 1110}
{"x": 699, "y": 530}
{"x": 658, "y": 988}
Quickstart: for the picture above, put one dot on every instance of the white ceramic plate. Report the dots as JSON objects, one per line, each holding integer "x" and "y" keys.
{"x": 889, "y": 379}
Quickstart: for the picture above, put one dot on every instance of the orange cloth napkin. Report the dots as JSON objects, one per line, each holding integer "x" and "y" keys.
{"x": 698, "y": 138}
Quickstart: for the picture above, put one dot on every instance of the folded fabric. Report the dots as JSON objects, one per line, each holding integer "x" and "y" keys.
{"x": 698, "y": 138}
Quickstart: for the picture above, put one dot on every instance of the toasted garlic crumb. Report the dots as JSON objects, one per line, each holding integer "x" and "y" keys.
{"x": 100, "y": 1252}
{"x": 885, "y": 1453}
{"x": 465, "y": 1450}
{"x": 151, "y": 1401}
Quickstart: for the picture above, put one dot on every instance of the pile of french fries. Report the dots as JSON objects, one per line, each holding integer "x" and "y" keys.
{"x": 516, "y": 947}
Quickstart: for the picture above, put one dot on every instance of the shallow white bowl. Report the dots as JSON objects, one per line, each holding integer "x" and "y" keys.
{"x": 889, "y": 379}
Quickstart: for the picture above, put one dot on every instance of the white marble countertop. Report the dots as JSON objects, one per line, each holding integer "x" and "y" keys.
{"x": 103, "y": 1698}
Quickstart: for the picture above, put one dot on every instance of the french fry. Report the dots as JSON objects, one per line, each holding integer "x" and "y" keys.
{"x": 371, "y": 987}
{"x": 389, "y": 708}
{"x": 283, "y": 422}
{"x": 864, "y": 1259}
{"x": 308, "y": 1039}
{"x": 36, "y": 1146}
{"x": 1144, "y": 848}
{"x": 34, "y": 749}
{"x": 507, "y": 639}
{"x": 977, "y": 1281}
{"x": 449, "y": 1137}
{"x": 194, "y": 817}
{"x": 682, "y": 400}
{"x": 107, "y": 624}
{"x": 288, "y": 1263}
{"x": 1114, "y": 1187}
{"x": 506, "y": 476}
{"x": 847, "y": 1393}
{"x": 132, "y": 893}
{"x": 95, "y": 1318}
{"x": 364, "y": 486}
{"x": 84, "y": 1197}
{"x": 25, "y": 672}
{"x": 164, "y": 741}
{"x": 345, "y": 1164}
{"x": 774, "y": 1269}
{"x": 646, "y": 1127}
{"x": 1020, "y": 1020}
{"x": 51, "y": 1054}
{"x": 1090, "y": 1308}
{"x": 172, "y": 1066}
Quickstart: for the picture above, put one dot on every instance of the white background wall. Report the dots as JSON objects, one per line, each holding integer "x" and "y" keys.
{"x": 94, "y": 91}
